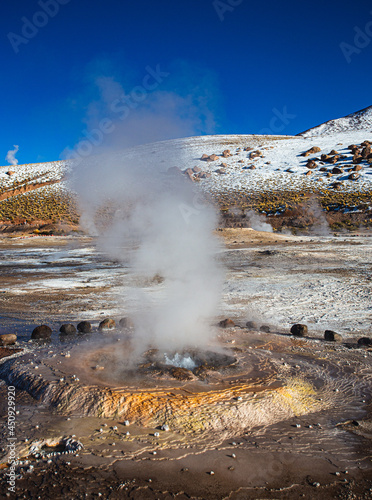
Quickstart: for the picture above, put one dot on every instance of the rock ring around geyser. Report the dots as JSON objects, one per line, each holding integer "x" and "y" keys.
{"x": 223, "y": 408}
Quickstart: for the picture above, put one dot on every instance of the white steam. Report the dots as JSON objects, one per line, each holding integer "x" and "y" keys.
{"x": 320, "y": 226}
{"x": 10, "y": 156}
{"x": 258, "y": 222}
{"x": 160, "y": 227}
{"x": 153, "y": 221}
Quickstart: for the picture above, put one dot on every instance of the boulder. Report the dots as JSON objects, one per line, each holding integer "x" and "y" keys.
{"x": 67, "y": 329}
{"x": 364, "y": 341}
{"x": 366, "y": 151}
{"x": 107, "y": 324}
{"x": 311, "y": 151}
{"x": 252, "y": 325}
{"x": 265, "y": 328}
{"x": 323, "y": 169}
{"x": 41, "y": 332}
{"x": 212, "y": 157}
{"x": 226, "y": 153}
{"x": 357, "y": 168}
{"x": 196, "y": 170}
{"x": 337, "y": 170}
{"x": 84, "y": 327}
{"x": 255, "y": 154}
{"x": 299, "y": 330}
{"x": 357, "y": 159}
{"x": 204, "y": 157}
{"x": 10, "y": 172}
{"x": 332, "y": 336}
{"x": 221, "y": 171}
{"x": 311, "y": 164}
{"x": 226, "y": 323}
{"x": 354, "y": 176}
{"x": 333, "y": 159}
{"x": 309, "y": 172}
{"x": 8, "y": 339}
{"x": 334, "y": 152}
{"x": 126, "y": 323}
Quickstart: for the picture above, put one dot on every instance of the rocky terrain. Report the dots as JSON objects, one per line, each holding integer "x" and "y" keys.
{"x": 272, "y": 175}
{"x": 281, "y": 409}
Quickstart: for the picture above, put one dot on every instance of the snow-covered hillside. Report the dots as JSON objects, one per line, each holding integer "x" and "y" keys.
{"x": 250, "y": 164}
{"x": 360, "y": 120}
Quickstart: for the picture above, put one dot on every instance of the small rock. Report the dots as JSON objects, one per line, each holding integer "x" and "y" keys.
{"x": 165, "y": 427}
{"x": 252, "y": 325}
{"x": 226, "y": 323}
{"x": 299, "y": 330}
{"x": 364, "y": 341}
{"x": 67, "y": 329}
{"x": 126, "y": 323}
{"x": 84, "y": 327}
{"x": 313, "y": 150}
{"x": 265, "y": 328}
{"x": 41, "y": 332}
{"x": 332, "y": 336}
{"x": 8, "y": 339}
{"x": 107, "y": 324}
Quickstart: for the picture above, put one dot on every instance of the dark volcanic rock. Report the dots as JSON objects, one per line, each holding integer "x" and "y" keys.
{"x": 8, "y": 339}
{"x": 41, "y": 332}
{"x": 226, "y": 323}
{"x": 265, "y": 328}
{"x": 107, "y": 324}
{"x": 67, "y": 329}
{"x": 364, "y": 341}
{"x": 252, "y": 325}
{"x": 299, "y": 330}
{"x": 126, "y": 323}
{"x": 332, "y": 336}
{"x": 84, "y": 327}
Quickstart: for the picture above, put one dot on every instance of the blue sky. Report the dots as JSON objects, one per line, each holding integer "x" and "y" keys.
{"x": 231, "y": 66}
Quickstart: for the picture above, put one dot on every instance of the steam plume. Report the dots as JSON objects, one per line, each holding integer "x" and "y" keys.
{"x": 155, "y": 222}
{"x": 10, "y": 156}
{"x": 159, "y": 226}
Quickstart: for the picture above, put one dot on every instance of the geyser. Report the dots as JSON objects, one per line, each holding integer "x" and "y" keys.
{"x": 159, "y": 226}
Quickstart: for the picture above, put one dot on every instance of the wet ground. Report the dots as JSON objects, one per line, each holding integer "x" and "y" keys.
{"x": 293, "y": 421}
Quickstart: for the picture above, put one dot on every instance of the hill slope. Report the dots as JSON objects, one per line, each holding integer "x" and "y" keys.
{"x": 358, "y": 121}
